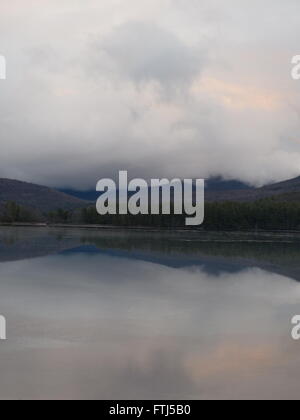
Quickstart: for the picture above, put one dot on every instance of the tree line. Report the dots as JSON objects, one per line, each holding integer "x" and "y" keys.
{"x": 265, "y": 214}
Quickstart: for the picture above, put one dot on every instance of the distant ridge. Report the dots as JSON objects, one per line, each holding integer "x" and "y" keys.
{"x": 212, "y": 184}
{"x": 286, "y": 191}
{"x": 44, "y": 199}
{"x": 35, "y": 196}
{"x": 221, "y": 190}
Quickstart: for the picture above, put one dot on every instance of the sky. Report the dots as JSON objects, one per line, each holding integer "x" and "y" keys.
{"x": 161, "y": 88}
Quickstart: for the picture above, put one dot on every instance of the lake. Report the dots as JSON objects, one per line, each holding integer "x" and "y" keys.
{"x": 110, "y": 314}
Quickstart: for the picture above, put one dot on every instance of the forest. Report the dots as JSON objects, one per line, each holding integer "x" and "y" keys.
{"x": 265, "y": 214}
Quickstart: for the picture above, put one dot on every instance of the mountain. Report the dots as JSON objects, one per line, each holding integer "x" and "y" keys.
{"x": 219, "y": 184}
{"x": 37, "y": 197}
{"x": 213, "y": 184}
{"x": 282, "y": 191}
{"x": 89, "y": 195}
{"x": 46, "y": 199}
{"x": 292, "y": 185}
{"x": 221, "y": 190}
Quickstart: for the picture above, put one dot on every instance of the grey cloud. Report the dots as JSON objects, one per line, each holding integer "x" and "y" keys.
{"x": 147, "y": 52}
{"x": 155, "y": 87}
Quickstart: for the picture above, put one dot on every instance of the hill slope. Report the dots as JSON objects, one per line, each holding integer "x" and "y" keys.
{"x": 212, "y": 184}
{"x": 285, "y": 191}
{"x": 220, "y": 190}
{"x": 37, "y": 197}
{"x": 47, "y": 199}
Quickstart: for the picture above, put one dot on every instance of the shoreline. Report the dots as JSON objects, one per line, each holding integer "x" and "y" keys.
{"x": 149, "y": 229}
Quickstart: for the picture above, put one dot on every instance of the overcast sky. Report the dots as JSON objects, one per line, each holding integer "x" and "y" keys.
{"x": 176, "y": 88}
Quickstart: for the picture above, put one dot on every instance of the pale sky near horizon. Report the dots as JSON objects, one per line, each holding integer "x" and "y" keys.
{"x": 174, "y": 88}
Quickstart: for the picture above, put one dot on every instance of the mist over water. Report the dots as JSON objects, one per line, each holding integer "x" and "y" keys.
{"x": 99, "y": 315}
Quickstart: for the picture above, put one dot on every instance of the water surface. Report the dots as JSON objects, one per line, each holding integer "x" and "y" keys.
{"x": 140, "y": 315}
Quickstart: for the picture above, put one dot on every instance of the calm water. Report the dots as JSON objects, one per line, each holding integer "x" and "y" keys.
{"x": 130, "y": 315}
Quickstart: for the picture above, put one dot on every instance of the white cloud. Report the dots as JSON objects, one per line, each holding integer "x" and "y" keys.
{"x": 160, "y": 88}
{"x": 145, "y": 52}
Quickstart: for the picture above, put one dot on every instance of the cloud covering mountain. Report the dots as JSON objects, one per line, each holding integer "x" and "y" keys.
{"x": 170, "y": 88}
